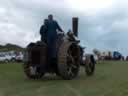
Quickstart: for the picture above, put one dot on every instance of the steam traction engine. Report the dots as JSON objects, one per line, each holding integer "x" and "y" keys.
{"x": 68, "y": 60}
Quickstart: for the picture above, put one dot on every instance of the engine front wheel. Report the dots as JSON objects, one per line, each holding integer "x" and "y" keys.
{"x": 90, "y": 65}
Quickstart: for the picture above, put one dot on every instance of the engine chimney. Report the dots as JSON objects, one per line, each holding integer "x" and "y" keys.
{"x": 75, "y": 25}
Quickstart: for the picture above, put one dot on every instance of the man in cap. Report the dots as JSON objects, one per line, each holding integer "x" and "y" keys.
{"x": 43, "y": 31}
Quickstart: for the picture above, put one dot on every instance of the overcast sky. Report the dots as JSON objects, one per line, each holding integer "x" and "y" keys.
{"x": 103, "y": 24}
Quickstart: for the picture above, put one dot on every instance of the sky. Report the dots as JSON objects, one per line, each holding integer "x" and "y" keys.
{"x": 103, "y": 24}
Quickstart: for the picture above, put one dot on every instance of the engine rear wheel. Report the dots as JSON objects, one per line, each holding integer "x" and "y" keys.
{"x": 69, "y": 60}
{"x": 35, "y": 60}
{"x": 32, "y": 72}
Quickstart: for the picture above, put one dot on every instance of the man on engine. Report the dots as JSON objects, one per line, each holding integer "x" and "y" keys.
{"x": 43, "y": 31}
{"x": 53, "y": 27}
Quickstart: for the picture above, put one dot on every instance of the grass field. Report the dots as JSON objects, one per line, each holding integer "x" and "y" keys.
{"x": 110, "y": 79}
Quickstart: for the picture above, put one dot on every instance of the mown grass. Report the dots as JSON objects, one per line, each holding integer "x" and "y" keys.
{"x": 110, "y": 79}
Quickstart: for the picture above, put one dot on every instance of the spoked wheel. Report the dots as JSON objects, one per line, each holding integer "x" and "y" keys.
{"x": 35, "y": 57}
{"x": 68, "y": 62}
{"x": 72, "y": 66}
{"x": 32, "y": 72}
{"x": 89, "y": 65}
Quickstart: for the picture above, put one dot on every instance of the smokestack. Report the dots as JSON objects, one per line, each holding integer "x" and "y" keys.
{"x": 75, "y": 25}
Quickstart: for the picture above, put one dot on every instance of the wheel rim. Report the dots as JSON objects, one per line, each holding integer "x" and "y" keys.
{"x": 32, "y": 71}
{"x": 72, "y": 65}
{"x": 90, "y": 66}
{"x": 69, "y": 60}
{"x": 35, "y": 57}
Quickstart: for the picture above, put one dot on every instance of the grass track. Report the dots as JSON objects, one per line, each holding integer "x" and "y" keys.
{"x": 110, "y": 79}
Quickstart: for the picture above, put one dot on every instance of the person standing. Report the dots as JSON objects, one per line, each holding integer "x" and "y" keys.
{"x": 53, "y": 27}
{"x": 43, "y": 31}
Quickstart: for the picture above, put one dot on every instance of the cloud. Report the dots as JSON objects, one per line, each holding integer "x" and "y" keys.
{"x": 101, "y": 27}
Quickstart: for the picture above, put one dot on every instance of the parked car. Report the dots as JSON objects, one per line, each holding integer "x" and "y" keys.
{"x": 2, "y": 57}
{"x": 19, "y": 57}
{"x": 12, "y": 56}
{"x": 5, "y": 58}
{"x": 117, "y": 55}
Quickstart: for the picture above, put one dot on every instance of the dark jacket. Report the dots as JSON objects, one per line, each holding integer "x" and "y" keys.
{"x": 43, "y": 33}
{"x": 52, "y": 36}
{"x": 52, "y": 28}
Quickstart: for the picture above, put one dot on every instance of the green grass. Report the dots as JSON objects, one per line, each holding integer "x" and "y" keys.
{"x": 110, "y": 79}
